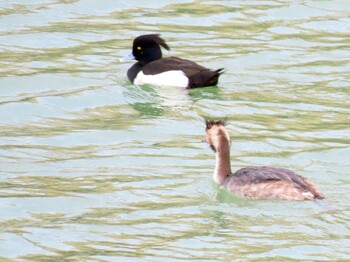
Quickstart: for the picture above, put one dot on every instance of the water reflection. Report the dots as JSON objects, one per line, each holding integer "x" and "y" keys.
{"x": 94, "y": 168}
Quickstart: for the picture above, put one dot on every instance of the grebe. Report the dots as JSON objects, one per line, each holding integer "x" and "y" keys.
{"x": 152, "y": 69}
{"x": 254, "y": 182}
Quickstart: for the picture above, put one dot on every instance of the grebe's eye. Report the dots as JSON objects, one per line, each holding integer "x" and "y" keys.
{"x": 139, "y": 48}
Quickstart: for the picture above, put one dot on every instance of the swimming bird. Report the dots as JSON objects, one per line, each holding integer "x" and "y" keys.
{"x": 152, "y": 69}
{"x": 259, "y": 182}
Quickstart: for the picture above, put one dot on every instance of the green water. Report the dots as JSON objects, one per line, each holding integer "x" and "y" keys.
{"x": 93, "y": 168}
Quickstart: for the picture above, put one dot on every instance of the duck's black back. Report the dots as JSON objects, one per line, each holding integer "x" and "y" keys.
{"x": 198, "y": 76}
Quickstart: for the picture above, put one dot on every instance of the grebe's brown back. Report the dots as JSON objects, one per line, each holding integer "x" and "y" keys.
{"x": 255, "y": 182}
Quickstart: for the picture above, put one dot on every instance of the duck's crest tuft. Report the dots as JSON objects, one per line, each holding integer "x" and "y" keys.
{"x": 156, "y": 38}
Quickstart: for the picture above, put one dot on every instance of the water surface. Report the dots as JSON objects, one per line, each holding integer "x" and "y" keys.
{"x": 94, "y": 168}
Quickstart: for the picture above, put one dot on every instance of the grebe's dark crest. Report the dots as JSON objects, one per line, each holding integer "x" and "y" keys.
{"x": 210, "y": 123}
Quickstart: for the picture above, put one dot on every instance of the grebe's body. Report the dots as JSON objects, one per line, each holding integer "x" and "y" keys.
{"x": 255, "y": 182}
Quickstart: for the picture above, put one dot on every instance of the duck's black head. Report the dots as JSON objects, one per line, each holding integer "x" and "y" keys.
{"x": 146, "y": 48}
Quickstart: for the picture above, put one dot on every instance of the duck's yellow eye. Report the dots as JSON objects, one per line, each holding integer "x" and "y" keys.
{"x": 139, "y": 48}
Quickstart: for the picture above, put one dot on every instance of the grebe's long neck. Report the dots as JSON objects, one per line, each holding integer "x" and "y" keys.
{"x": 223, "y": 165}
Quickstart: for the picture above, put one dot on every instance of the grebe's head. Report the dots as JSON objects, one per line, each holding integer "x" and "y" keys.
{"x": 215, "y": 132}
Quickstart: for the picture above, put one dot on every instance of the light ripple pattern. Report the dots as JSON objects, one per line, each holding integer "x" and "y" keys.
{"x": 93, "y": 168}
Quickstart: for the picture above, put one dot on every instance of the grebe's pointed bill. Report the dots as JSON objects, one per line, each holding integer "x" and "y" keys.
{"x": 127, "y": 58}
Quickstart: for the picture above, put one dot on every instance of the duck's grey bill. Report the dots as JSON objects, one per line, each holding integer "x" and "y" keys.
{"x": 126, "y": 58}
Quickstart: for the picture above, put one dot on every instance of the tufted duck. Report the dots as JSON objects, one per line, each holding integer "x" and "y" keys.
{"x": 152, "y": 69}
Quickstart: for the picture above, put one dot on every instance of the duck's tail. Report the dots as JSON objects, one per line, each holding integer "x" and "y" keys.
{"x": 205, "y": 78}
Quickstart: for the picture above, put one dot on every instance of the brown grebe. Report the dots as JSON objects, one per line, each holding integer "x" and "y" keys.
{"x": 255, "y": 182}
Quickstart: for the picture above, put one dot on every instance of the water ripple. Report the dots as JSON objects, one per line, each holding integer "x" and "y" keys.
{"x": 94, "y": 168}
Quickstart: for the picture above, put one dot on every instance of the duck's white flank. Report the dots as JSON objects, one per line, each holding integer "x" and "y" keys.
{"x": 175, "y": 78}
